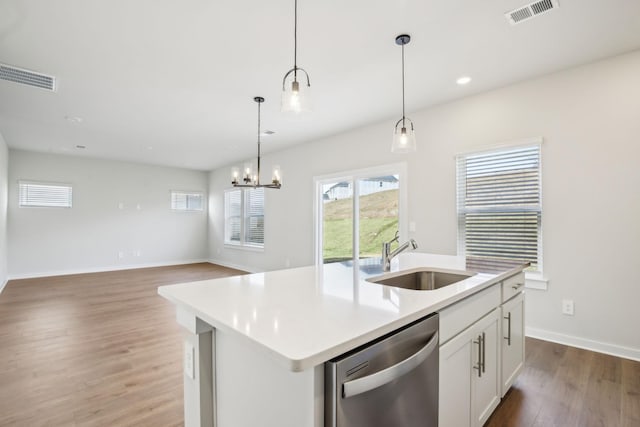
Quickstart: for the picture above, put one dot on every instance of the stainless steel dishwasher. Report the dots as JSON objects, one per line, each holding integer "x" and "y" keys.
{"x": 392, "y": 381}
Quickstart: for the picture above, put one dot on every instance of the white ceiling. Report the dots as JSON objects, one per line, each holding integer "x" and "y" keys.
{"x": 171, "y": 82}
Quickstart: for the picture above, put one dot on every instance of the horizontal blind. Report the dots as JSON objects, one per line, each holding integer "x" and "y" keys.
{"x": 499, "y": 205}
{"x": 187, "y": 201}
{"x": 254, "y": 216}
{"x": 40, "y": 194}
{"x": 233, "y": 215}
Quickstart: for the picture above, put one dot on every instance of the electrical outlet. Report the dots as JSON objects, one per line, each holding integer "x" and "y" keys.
{"x": 120, "y": 254}
{"x": 567, "y": 307}
{"x": 189, "y": 360}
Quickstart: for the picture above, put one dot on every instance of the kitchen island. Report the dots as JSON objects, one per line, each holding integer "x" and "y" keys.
{"x": 255, "y": 345}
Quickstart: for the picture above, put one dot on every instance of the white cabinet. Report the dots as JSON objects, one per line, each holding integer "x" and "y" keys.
{"x": 512, "y": 341}
{"x": 469, "y": 374}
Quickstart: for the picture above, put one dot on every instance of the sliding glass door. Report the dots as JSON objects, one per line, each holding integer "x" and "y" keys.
{"x": 357, "y": 212}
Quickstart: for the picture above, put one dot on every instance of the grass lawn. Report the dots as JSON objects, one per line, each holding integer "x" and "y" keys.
{"x": 378, "y": 223}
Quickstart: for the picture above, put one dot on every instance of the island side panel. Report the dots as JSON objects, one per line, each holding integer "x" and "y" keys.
{"x": 198, "y": 370}
{"x": 252, "y": 389}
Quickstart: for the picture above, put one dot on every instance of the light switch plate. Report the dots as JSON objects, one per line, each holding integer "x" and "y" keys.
{"x": 189, "y": 360}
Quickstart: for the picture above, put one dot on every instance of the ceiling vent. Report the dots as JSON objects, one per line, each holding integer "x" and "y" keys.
{"x": 26, "y": 77}
{"x": 531, "y": 10}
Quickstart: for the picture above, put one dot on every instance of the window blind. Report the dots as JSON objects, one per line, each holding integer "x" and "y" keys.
{"x": 40, "y": 194}
{"x": 244, "y": 217}
{"x": 233, "y": 215}
{"x": 187, "y": 201}
{"x": 254, "y": 216}
{"x": 499, "y": 206}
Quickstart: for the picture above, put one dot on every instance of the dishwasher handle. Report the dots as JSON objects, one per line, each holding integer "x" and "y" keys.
{"x": 380, "y": 378}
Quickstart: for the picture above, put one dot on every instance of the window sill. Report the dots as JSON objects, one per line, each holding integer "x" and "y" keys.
{"x": 247, "y": 248}
{"x": 536, "y": 281}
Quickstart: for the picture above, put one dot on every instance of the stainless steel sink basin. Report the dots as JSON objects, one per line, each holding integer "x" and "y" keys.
{"x": 422, "y": 279}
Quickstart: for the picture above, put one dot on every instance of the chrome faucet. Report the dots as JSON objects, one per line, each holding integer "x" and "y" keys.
{"x": 387, "y": 255}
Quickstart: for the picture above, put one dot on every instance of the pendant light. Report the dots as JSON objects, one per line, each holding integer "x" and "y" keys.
{"x": 404, "y": 137}
{"x": 248, "y": 178}
{"x": 296, "y": 96}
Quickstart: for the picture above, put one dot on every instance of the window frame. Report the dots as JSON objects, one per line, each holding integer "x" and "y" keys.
{"x": 533, "y": 274}
{"x": 354, "y": 176}
{"x": 186, "y": 193}
{"x": 24, "y": 182}
{"x": 245, "y": 215}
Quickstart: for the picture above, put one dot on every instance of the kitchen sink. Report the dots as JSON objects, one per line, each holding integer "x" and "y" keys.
{"x": 422, "y": 279}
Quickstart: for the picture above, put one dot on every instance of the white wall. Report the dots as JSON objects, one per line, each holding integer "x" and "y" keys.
{"x": 589, "y": 118}
{"x": 4, "y": 165}
{"x": 90, "y": 235}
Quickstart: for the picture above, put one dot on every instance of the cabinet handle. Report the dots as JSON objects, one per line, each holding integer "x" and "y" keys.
{"x": 479, "y": 367}
{"x": 508, "y": 337}
{"x": 516, "y": 286}
{"x": 484, "y": 345}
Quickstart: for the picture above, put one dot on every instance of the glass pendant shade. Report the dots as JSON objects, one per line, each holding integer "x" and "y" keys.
{"x": 276, "y": 175}
{"x": 404, "y": 138}
{"x": 296, "y": 93}
{"x": 235, "y": 175}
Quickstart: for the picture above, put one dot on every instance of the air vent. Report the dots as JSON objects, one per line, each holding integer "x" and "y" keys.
{"x": 26, "y": 77}
{"x": 531, "y": 10}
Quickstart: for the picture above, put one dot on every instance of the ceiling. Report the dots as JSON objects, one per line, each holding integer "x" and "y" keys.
{"x": 172, "y": 82}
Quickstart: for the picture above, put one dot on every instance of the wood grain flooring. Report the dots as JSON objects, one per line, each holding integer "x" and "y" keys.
{"x": 104, "y": 349}
{"x": 570, "y": 387}
{"x": 97, "y": 349}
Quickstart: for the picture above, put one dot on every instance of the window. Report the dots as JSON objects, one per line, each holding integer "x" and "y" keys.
{"x": 42, "y": 194}
{"x": 499, "y": 206}
{"x": 356, "y": 212}
{"x": 244, "y": 217}
{"x": 187, "y": 201}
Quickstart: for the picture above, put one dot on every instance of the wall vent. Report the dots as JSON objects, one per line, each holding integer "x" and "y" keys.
{"x": 27, "y": 77}
{"x": 531, "y": 10}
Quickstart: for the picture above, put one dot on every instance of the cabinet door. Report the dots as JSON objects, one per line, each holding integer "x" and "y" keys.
{"x": 469, "y": 384}
{"x": 455, "y": 380}
{"x": 512, "y": 341}
{"x": 485, "y": 388}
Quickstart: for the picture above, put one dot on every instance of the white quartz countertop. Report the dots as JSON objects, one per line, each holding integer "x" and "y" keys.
{"x": 305, "y": 316}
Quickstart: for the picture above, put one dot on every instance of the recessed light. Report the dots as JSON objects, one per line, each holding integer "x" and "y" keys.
{"x": 74, "y": 119}
{"x": 463, "y": 80}
{"x": 267, "y": 133}
{"x": 81, "y": 147}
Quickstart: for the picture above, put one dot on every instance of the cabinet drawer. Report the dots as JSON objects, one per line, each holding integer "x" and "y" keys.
{"x": 512, "y": 286}
{"x": 459, "y": 316}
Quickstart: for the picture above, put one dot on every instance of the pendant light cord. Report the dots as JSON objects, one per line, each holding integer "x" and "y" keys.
{"x": 258, "y": 176}
{"x": 403, "y": 84}
{"x": 295, "y": 40}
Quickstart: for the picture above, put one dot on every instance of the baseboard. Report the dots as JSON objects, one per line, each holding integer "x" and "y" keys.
{"x": 103, "y": 269}
{"x": 234, "y": 266}
{"x": 573, "y": 341}
{"x": 3, "y": 285}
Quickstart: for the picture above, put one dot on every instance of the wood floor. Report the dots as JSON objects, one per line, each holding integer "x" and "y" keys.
{"x": 105, "y": 350}
{"x": 93, "y": 349}
{"x": 569, "y": 387}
